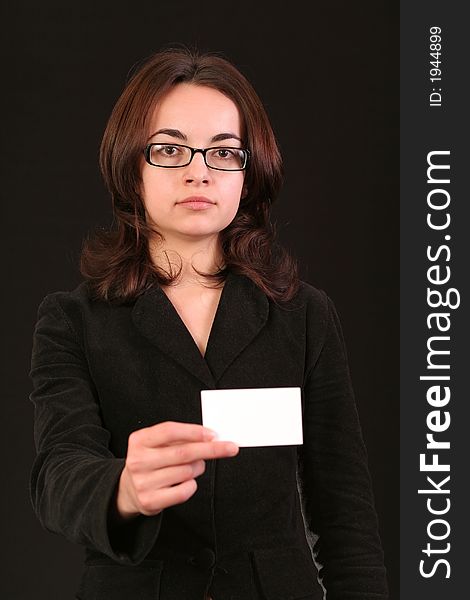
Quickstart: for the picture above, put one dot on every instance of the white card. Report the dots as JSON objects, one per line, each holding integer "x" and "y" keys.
{"x": 254, "y": 416}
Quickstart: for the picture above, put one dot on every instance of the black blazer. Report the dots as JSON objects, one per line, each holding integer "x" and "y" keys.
{"x": 101, "y": 371}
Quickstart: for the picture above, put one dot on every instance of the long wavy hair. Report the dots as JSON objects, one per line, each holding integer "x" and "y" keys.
{"x": 116, "y": 262}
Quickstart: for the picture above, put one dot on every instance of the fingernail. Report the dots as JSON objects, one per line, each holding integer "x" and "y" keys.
{"x": 209, "y": 434}
{"x": 231, "y": 448}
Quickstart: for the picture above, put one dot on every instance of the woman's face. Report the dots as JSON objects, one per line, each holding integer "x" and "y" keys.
{"x": 199, "y": 117}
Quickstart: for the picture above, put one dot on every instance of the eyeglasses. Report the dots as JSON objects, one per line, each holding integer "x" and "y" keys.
{"x": 173, "y": 156}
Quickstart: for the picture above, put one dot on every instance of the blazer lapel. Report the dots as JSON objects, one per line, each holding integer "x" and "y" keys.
{"x": 242, "y": 312}
{"x": 157, "y": 319}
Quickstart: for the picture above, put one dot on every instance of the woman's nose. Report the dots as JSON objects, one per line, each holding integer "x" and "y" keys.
{"x": 197, "y": 169}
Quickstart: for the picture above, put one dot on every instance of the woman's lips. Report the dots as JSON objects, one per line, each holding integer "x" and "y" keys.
{"x": 197, "y": 202}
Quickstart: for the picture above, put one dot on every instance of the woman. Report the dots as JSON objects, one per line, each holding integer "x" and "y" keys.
{"x": 190, "y": 292}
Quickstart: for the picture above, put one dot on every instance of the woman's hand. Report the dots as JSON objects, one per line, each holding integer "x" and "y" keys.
{"x": 162, "y": 464}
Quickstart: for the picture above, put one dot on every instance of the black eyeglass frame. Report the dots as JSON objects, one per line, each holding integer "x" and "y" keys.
{"x": 193, "y": 152}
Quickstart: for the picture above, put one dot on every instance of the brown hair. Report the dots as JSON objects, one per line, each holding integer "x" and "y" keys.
{"x": 117, "y": 262}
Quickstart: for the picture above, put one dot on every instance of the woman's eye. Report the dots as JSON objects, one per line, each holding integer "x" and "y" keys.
{"x": 224, "y": 153}
{"x": 169, "y": 150}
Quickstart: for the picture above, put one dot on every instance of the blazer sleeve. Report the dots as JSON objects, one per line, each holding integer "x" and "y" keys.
{"x": 334, "y": 479}
{"x": 74, "y": 476}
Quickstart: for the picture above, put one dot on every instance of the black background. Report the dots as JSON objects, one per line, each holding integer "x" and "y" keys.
{"x": 329, "y": 81}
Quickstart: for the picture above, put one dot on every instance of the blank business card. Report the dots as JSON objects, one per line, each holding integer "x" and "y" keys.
{"x": 254, "y": 416}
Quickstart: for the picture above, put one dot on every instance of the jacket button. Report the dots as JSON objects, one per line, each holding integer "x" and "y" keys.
{"x": 204, "y": 559}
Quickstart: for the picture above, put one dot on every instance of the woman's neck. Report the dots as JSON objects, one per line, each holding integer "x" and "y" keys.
{"x": 204, "y": 255}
